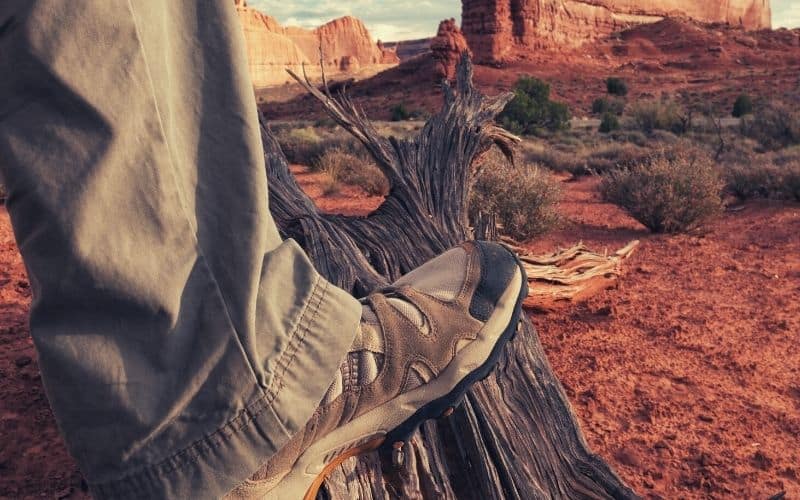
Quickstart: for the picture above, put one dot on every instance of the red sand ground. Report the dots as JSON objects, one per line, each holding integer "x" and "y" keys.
{"x": 686, "y": 378}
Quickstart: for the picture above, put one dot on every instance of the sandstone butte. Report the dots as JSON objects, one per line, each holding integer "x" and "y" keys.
{"x": 446, "y": 48}
{"x": 498, "y": 30}
{"x": 347, "y": 47}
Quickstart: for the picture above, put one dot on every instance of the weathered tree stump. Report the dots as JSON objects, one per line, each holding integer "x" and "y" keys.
{"x": 516, "y": 435}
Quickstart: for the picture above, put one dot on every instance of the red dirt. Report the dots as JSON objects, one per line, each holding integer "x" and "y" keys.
{"x": 686, "y": 378}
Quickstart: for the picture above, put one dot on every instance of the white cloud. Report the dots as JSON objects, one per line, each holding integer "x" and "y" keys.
{"x": 389, "y": 21}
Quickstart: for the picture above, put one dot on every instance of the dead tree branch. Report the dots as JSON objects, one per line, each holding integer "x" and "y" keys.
{"x": 516, "y": 435}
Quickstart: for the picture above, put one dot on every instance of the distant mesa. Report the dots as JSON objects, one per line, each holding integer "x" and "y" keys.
{"x": 497, "y": 30}
{"x": 347, "y": 47}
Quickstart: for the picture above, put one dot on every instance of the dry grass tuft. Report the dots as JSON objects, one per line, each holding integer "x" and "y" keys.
{"x": 345, "y": 167}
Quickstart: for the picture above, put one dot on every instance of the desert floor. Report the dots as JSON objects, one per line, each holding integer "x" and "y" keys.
{"x": 686, "y": 377}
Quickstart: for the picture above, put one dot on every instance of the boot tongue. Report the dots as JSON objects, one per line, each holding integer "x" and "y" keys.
{"x": 442, "y": 277}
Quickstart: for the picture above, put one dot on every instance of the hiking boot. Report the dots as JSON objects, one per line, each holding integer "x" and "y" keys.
{"x": 423, "y": 341}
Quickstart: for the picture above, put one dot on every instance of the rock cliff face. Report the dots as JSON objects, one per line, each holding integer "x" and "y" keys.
{"x": 447, "y": 47}
{"x": 271, "y": 48}
{"x": 496, "y": 29}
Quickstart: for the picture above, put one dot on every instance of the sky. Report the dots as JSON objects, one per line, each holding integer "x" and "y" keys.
{"x": 786, "y": 13}
{"x": 405, "y": 20}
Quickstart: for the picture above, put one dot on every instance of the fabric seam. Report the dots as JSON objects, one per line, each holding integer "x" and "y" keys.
{"x": 299, "y": 335}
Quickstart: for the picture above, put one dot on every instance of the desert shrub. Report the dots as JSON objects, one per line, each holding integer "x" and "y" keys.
{"x": 603, "y": 105}
{"x": 661, "y": 138}
{"x": 613, "y": 156}
{"x": 609, "y": 123}
{"x": 301, "y": 145}
{"x": 774, "y": 125}
{"x": 330, "y": 185}
{"x": 787, "y": 155}
{"x": 672, "y": 192}
{"x": 650, "y": 115}
{"x": 586, "y": 158}
{"x": 764, "y": 179}
{"x": 306, "y": 145}
{"x": 633, "y": 136}
{"x": 600, "y": 106}
{"x": 3, "y": 193}
{"x": 400, "y": 112}
{"x": 742, "y": 106}
{"x": 524, "y": 199}
{"x": 326, "y": 123}
{"x": 532, "y": 110}
{"x": 616, "y": 86}
{"x": 557, "y": 161}
{"x": 343, "y": 166}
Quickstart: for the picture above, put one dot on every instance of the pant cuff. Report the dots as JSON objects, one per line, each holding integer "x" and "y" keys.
{"x": 214, "y": 465}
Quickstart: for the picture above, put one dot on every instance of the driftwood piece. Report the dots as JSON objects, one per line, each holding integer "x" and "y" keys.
{"x": 515, "y": 436}
{"x": 570, "y": 275}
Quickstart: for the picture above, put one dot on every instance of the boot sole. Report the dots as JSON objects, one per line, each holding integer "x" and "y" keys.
{"x": 379, "y": 429}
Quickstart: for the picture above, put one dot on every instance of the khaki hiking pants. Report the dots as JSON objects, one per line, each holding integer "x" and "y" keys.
{"x": 181, "y": 342}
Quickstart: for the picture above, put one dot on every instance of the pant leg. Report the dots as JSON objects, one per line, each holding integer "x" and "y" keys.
{"x": 181, "y": 342}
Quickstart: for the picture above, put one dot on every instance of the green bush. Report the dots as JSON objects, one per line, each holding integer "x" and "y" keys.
{"x": 531, "y": 110}
{"x": 616, "y": 86}
{"x": 603, "y": 105}
{"x": 672, "y": 192}
{"x": 400, "y": 113}
{"x": 742, "y": 106}
{"x": 774, "y": 125}
{"x": 609, "y": 123}
{"x": 764, "y": 179}
{"x": 345, "y": 167}
{"x": 650, "y": 115}
{"x": 524, "y": 199}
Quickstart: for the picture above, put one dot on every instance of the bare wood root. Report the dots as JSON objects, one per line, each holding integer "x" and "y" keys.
{"x": 516, "y": 435}
{"x": 570, "y": 275}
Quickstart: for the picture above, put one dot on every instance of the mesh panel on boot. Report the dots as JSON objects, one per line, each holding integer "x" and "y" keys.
{"x": 358, "y": 370}
{"x": 441, "y": 277}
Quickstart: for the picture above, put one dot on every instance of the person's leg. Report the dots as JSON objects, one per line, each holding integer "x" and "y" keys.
{"x": 181, "y": 343}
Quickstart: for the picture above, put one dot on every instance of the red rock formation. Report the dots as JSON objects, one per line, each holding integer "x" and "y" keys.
{"x": 271, "y": 48}
{"x": 447, "y": 47}
{"x": 497, "y": 29}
